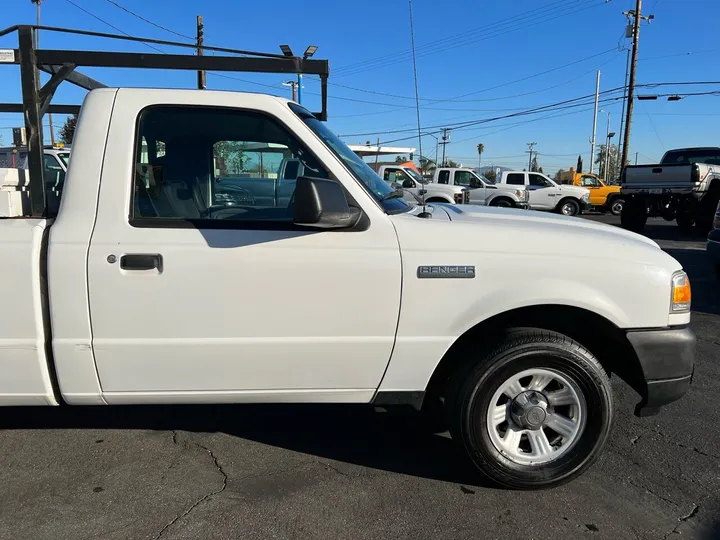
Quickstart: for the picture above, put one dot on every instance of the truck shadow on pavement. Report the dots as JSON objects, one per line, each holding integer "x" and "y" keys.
{"x": 395, "y": 440}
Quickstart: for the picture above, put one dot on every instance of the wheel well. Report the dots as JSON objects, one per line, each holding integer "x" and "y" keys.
{"x": 600, "y": 336}
{"x": 501, "y": 198}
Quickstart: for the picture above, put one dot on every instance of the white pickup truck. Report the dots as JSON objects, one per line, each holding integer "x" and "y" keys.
{"x": 413, "y": 183}
{"x": 141, "y": 291}
{"x": 546, "y": 194}
{"x": 482, "y": 191}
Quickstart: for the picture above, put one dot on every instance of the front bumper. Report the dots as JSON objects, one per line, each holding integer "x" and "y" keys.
{"x": 522, "y": 205}
{"x": 585, "y": 205}
{"x": 667, "y": 360}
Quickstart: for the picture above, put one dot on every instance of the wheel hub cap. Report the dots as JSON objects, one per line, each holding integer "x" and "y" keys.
{"x": 529, "y": 410}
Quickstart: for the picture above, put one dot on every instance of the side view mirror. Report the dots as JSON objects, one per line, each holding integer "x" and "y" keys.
{"x": 407, "y": 184}
{"x": 321, "y": 203}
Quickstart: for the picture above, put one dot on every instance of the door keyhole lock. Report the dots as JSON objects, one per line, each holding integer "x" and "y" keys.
{"x": 112, "y": 259}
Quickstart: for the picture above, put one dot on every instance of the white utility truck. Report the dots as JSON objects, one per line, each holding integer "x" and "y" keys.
{"x": 412, "y": 181}
{"x": 482, "y": 191}
{"x": 143, "y": 290}
{"x": 546, "y": 194}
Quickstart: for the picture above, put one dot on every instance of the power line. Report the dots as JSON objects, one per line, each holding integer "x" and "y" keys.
{"x": 520, "y": 22}
{"x": 149, "y": 21}
{"x": 110, "y": 25}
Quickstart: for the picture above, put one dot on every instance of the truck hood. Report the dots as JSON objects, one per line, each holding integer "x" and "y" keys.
{"x": 442, "y": 188}
{"x": 575, "y": 191}
{"x": 511, "y": 218}
{"x": 523, "y": 231}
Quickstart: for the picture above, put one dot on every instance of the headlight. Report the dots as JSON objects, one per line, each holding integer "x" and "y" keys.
{"x": 585, "y": 197}
{"x": 681, "y": 294}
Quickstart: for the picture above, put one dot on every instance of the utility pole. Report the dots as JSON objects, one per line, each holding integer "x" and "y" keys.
{"x": 607, "y": 150}
{"x": 592, "y": 140}
{"x": 293, "y": 85}
{"x": 37, "y": 45}
{"x": 377, "y": 156}
{"x": 636, "y": 155}
{"x": 637, "y": 17}
{"x": 201, "y": 81}
{"x": 531, "y": 145}
{"x": 628, "y": 34}
{"x": 445, "y": 141}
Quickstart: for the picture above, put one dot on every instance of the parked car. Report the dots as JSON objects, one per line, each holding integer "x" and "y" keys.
{"x": 482, "y": 191}
{"x": 142, "y": 290}
{"x": 546, "y": 194}
{"x": 684, "y": 186}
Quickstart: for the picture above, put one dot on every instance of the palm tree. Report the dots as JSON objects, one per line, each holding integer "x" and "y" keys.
{"x": 481, "y": 149}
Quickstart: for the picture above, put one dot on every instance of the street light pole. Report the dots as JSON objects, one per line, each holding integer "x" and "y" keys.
{"x": 607, "y": 147}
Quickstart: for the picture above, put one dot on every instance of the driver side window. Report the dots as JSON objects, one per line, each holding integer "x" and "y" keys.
{"x": 537, "y": 180}
{"x": 201, "y": 163}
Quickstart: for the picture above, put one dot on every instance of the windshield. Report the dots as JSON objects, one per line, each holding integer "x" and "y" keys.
{"x": 710, "y": 156}
{"x": 484, "y": 179}
{"x": 360, "y": 170}
{"x": 415, "y": 175}
{"x": 64, "y": 157}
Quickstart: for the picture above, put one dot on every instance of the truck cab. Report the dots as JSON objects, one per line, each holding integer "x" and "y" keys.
{"x": 546, "y": 194}
{"x": 412, "y": 182}
{"x": 482, "y": 191}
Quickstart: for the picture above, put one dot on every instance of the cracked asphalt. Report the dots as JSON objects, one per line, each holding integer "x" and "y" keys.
{"x": 289, "y": 472}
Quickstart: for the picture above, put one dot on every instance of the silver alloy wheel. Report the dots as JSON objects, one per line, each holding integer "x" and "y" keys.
{"x": 568, "y": 208}
{"x": 616, "y": 207}
{"x": 536, "y": 416}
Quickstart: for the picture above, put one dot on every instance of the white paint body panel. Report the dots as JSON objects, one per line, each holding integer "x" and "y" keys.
{"x": 238, "y": 310}
{"x": 24, "y": 375}
{"x": 521, "y": 259}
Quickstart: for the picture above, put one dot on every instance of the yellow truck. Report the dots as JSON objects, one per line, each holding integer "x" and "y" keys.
{"x": 603, "y": 197}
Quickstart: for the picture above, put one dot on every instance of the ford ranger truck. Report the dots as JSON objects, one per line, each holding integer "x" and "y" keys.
{"x": 684, "y": 186}
{"x": 143, "y": 290}
{"x": 482, "y": 191}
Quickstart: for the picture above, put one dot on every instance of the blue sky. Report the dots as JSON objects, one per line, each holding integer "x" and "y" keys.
{"x": 476, "y": 61}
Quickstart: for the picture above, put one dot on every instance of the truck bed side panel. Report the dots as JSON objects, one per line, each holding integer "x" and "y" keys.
{"x": 67, "y": 254}
{"x": 24, "y": 375}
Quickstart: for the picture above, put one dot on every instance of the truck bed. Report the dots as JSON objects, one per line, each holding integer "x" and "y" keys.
{"x": 659, "y": 178}
{"x": 25, "y": 379}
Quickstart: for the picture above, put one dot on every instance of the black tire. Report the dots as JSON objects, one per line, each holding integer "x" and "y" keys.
{"x": 616, "y": 205}
{"x": 707, "y": 208}
{"x": 634, "y": 215}
{"x": 501, "y": 203}
{"x": 521, "y": 349}
{"x": 571, "y": 204}
{"x": 685, "y": 221}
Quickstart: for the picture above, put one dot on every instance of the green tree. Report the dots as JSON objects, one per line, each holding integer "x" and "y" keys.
{"x": 613, "y": 169}
{"x": 534, "y": 167}
{"x": 230, "y": 157}
{"x": 451, "y": 163}
{"x": 540, "y": 170}
{"x": 67, "y": 131}
{"x": 490, "y": 175}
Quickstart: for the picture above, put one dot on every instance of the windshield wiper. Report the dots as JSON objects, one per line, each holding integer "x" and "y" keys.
{"x": 397, "y": 194}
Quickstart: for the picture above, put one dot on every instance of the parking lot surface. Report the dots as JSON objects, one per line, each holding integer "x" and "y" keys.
{"x": 351, "y": 472}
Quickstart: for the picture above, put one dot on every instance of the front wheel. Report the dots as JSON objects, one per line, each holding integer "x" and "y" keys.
{"x": 501, "y": 203}
{"x": 535, "y": 412}
{"x": 616, "y": 206}
{"x": 569, "y": 207}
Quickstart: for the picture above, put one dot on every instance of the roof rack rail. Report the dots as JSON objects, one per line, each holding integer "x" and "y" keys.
{"x": 62, "y": 64}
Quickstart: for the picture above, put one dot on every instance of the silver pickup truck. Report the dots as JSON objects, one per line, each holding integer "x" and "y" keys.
{"x": 684, "y": 186}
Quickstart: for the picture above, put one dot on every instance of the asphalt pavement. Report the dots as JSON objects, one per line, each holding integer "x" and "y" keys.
{"x": 331, "y": 472}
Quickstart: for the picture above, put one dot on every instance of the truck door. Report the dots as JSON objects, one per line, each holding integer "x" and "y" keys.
{"x": 193, "y": 302}
{"x": 598, "y": 194}
{"x": 543, "y": 194}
